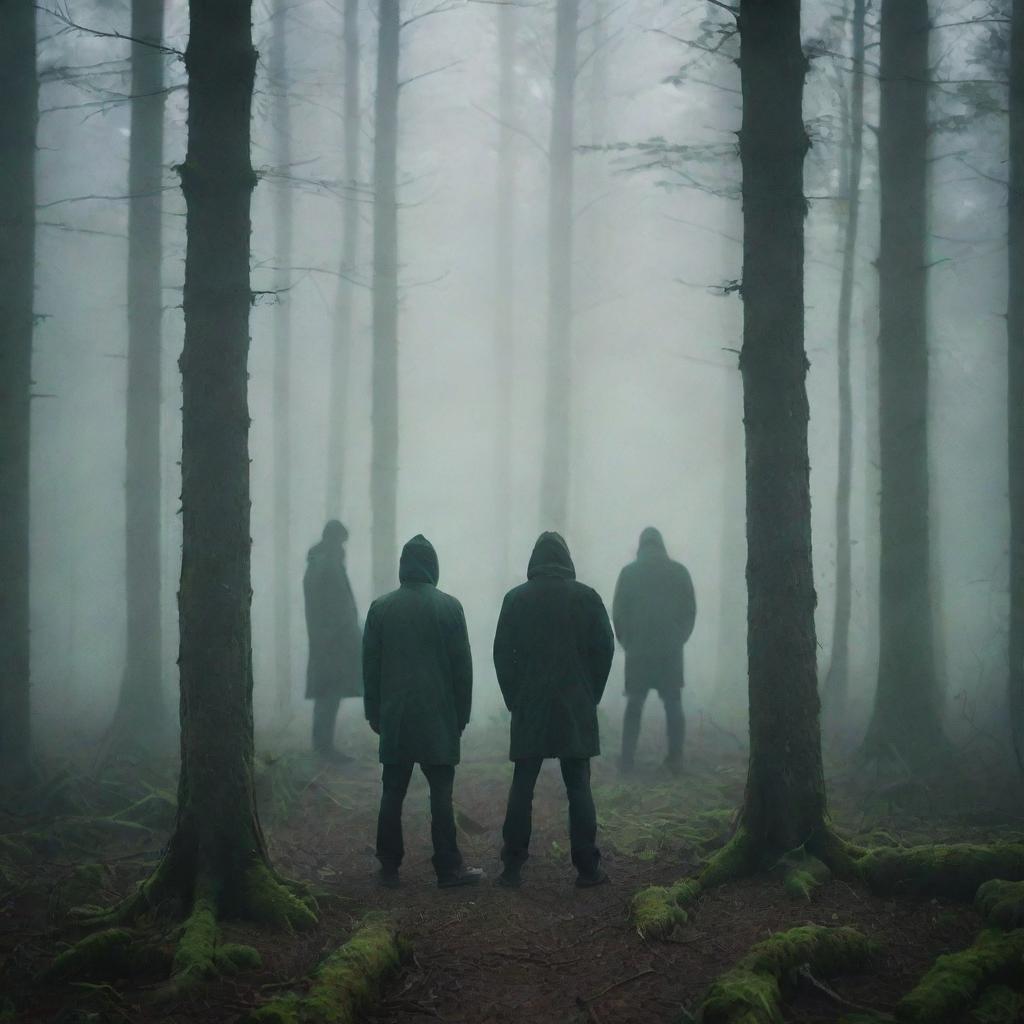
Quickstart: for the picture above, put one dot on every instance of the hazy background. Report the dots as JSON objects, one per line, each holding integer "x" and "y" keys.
{"x": 657, "y": 415}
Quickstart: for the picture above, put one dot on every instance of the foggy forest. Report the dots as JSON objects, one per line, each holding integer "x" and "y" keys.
{"x": 394, "y": 393}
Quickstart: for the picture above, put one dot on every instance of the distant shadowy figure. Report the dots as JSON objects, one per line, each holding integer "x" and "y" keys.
{"x": 654, "y": 610}
{"x": 418, "y": 680}
{"x": 552, "y": 652}
{"x": 334, "y": 669}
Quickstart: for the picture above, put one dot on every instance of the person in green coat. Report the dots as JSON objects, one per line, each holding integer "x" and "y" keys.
{"x": 552, "y": 653}
{"x": 332, "y": 623}
{"x": 418, "y": 691}
{"x": 654, "y": 611}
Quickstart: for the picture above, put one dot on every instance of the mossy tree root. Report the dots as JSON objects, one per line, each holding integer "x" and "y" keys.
{"x": 1001, "y": 903}
{"x": 345, "y": 984}
{"x": 956, "y": 981}
{"x": 106, "y": 956}
{"x": 955, "y": 870}
{"x": 658, "y": 910}
{"x": 752, "y": 991}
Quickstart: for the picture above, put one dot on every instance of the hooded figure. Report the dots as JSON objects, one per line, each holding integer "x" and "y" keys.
{"x": 654, "y": 611}
{"x": 552, "y": 653}
{"x": 418, "y": 685}
{"x": 334, "y": 670}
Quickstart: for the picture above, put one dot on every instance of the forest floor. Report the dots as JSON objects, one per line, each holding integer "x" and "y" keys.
{"x": 545, "y": 953}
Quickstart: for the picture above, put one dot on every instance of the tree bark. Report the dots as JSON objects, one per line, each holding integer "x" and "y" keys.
{"x": 505, "y": 283}
{"x": 1015, "y": 378}
{"x": 18, "y": 116}
{"x": 217, "y": 845}
{"x": 345, "y": 296}
{"x": 283, "y": 583}
{"x": 784, "y": 806}
{"x": 555, "y": 478}
{"x": 907, "y": 712}
{"x": 837, "y": 681}
{"x": 141, "y": 718}
{"x": 384, "y": 418}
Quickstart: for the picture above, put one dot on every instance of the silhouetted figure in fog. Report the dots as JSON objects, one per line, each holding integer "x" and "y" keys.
{"x": 418, "y": 679}
{"x": 654, "y": 610}
{"x": 332, "y": 623}
{"x": 552, "y": 652}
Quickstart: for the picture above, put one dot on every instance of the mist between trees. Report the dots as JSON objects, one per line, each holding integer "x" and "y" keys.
{"x": 497, "y": 268}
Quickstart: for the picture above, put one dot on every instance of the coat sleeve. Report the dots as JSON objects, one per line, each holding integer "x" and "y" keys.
{"x": 460, "y": 658}
{"x": 599, "y": 646}
{"x": 505, "y": 667}
{"x": 620, "y": 610}
{"x": 314, "y": 604}
{"x": 371, "y": 667}
{"x": 688, "y": 600}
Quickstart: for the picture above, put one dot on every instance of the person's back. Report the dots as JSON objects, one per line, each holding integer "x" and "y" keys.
{"x": 654, "y": 610}
{"x": 552, "y": 653}
{"x": 418, "y": 681}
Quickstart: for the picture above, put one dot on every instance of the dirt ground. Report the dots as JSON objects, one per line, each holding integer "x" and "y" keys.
{"x": 546, "y": 953}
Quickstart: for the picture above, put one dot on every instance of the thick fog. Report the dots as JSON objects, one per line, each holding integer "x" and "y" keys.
{"x": 656, "y": 410}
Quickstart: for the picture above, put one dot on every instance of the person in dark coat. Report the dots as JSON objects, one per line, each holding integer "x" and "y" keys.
{"x": 552, "y": 653}
{"x": 418, "y": 691}
{"x": 334, "y": 669}
{"x": 654, "y": 610}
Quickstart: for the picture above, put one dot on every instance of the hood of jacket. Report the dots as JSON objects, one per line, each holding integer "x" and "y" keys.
{"x": 419, "y": 562}
{"x": 652, "y": 544}
{"x": 551, "y": 558}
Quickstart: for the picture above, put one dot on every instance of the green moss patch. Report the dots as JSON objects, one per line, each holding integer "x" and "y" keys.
{"x": 1001, "y": 903}
{"x": 751, "y": 992}
{"x": 955, "y": 870}
{"x": 347, "y": 982}
{"x": 956, "y": 980}
{"x": 106, "y": 956}
{"x": 999, "y": 1004}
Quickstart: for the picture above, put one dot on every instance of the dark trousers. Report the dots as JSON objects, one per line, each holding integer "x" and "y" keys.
{"x": 675, "y": 724}
{"x": 390, "y": 848}
{"x": 325, "y": 715}
{"x": 582, "y": 814}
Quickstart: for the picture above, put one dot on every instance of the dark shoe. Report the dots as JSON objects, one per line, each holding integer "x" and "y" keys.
{"x": 594, "y": 878}
{"x": 388, "y": 878}
{"x": 510, "y": 878}
{"x": 464, "y": 876}
{"x": 335, "y": 757}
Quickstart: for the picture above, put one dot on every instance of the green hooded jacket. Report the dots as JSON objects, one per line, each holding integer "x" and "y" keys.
{"x": 552, "y": 653}
{"x": 417, "y": 668}
{"x": 654, "y": 610}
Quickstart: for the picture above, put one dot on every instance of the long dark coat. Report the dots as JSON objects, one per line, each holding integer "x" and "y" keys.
{"x": 332, "y": 622}
{"x": 417, "y": 667}
{"x": 552, "y": 653}
{"x": 654, "y": 610}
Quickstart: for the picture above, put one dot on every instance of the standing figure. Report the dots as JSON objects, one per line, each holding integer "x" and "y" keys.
{"x": 654, "y": 610}
{"x": 418, "y": 682}
{"x": 332, "y": 623}
{"x": 552, "y": 653}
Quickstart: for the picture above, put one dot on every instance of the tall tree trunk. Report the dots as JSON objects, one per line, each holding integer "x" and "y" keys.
{"x": 907, "y": 713}
{"x": 141, "y": 718}
{"x": 837, "y": 681}
{"x": 1015, "y": 377}
{"x": 217, "y": 853}
{"x": 784, "y": 806}
{"x": 505, "y": 283}
{"x": 555, "y": 480}
{"x": 18, "y": 115}
{"x": 283, "y": 583}
{"x": 344, "y": 297}
{"x": 384, "y": 420}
